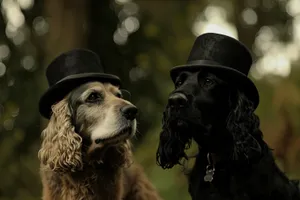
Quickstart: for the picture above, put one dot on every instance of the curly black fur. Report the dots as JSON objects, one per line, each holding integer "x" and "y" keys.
{"x": 172, "y": 145}
{"x": 221, "y": 120}
{"x": 243, "y": 124}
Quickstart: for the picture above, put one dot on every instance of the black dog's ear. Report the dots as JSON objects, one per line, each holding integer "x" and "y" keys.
{"x": 171, "y": 147}
{"x": 243, "y": 124}
{"x": 170, "y": 151}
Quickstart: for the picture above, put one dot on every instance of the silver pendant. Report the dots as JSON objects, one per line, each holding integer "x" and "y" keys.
{"x": 209, "y": 176}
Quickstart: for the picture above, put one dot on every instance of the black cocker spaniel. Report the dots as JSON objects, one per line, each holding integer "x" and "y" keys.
{"x": 233, "y": 161}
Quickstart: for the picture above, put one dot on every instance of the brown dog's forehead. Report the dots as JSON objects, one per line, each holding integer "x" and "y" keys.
{"x": 108, "y": 87}
{"x": 111, "y": 88}
{"x": 84, "y": 90}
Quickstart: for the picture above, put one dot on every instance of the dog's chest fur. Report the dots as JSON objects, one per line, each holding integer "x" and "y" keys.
{"x": 93, "y": 185}
{"x": 258, "y": 181}
{"x": 221, "y": 188}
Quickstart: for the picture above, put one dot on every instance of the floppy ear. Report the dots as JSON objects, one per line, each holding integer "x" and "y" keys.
{"x": 61, "y": 146}
{"x": 243, "y": 124}
{"x": 171, "y": 148}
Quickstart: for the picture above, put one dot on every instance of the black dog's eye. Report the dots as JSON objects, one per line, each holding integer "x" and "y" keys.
{"x": 180, "y": 79}
{"x": 178, "y": 83}
{"x": 93, "y": 97}
{"x": 208, "y": 82}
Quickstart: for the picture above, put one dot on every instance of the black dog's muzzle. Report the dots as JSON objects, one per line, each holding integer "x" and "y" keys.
{"x": 177, "y": 100}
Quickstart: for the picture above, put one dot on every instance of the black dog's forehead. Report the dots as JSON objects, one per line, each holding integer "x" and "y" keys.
{"x": 184, "y": 75}
{"x": 196, "y": 75}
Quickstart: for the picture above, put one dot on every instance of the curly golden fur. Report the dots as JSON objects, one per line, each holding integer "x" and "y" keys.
{"x": 77, "y": 166}
{"x": 61, "y": 146}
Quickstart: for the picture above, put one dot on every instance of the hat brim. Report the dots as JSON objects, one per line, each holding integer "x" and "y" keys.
{"x": 240, "y": 80}
{"x": 58, "y": 91}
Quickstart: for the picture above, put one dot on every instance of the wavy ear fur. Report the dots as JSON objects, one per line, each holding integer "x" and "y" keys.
{"x": 61, "y": 146}
{"x": 243, "y": 124}
{"x": 172, "y": 146}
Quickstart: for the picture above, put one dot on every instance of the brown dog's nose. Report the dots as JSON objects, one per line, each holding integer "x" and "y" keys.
{"x": 177, "y": 100}
{"x": 129, "y": 112}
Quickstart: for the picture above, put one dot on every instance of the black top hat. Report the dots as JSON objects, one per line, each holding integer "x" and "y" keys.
{"x": 223, "y": 54}
{"x": 68, "y": 71}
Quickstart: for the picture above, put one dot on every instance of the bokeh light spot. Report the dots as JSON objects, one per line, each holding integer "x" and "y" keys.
{"x": 131, "y": 24}
{"x": 28, "y": 62}
{"x": 40, "y": 26}
{"x": 4, "y": 52}
{"x": 120, "y": 36}
{"x": 249, "y": 16}
{"x": 2, "y": 69}
{"x": 120, "y": 2}
{"x": 8, "y": 124}
{"x": 26, "y": 4}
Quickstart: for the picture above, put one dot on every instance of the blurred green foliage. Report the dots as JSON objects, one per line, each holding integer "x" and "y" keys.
{"x": 139, "y": 41}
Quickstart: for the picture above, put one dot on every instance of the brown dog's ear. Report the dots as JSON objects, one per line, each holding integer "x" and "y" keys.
{"x": 61, "y": 146}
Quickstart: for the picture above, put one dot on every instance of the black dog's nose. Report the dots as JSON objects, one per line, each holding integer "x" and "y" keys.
{"x": 177, "y": 100}
{"x": 129, "y": 112}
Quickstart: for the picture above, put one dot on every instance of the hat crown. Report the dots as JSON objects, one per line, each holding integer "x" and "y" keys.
{"x": 223, "y": 50}
{"x": 73, "y": 62}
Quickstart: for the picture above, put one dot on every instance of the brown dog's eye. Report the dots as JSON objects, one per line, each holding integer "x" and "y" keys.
{"x": 93, "y": 97}
{"x": 119, "y": 95}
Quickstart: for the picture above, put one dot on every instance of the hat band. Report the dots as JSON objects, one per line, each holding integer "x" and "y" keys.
{"x": 202, "y": 62}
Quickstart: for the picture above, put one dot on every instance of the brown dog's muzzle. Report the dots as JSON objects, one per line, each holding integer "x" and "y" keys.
{"x": 129, "y": 112}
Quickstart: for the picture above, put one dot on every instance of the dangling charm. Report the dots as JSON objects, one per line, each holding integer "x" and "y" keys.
{"x": 210, "y": 171}
{"x": 209, "y": 174}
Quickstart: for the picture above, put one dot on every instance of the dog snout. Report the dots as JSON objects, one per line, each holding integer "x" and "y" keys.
{"x": 177, "y": 100}
{"x": 129, "y": 112}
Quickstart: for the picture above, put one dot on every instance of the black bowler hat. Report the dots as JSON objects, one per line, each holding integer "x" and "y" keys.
{"x": 70, "y": 70}
{"x": 224, "y": 55}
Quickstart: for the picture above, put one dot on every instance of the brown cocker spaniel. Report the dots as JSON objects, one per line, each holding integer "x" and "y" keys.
{"x": 85, "y": 152}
